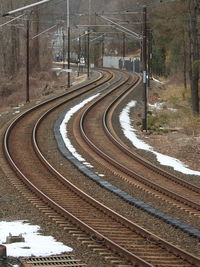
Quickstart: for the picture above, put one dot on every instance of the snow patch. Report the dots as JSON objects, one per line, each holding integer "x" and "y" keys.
{"x": 35, "y": 244}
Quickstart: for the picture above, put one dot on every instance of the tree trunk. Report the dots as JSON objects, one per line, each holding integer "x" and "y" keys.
{"x": 34, "y": 43}
{"x": 10, "y": 42}
{"x": 194, "y": 55}
{"x": 184, "y": 61}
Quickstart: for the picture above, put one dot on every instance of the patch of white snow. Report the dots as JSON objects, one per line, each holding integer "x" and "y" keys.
{"x": 35, "y": 244}
{"x": 129, "y": 132}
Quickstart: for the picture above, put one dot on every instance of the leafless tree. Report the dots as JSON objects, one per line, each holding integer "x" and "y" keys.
{"x": 194, "y": 12}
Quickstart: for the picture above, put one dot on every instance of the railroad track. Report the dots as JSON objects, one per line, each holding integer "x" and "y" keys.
{"x": 105, "y": 227}
{"x": 162, "y": 184}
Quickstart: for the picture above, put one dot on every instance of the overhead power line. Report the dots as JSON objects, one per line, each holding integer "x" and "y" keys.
{"x": 25, "y": 7}
{"x": 44, "y": 31}
{"x": 11, "y": 20}
{"x": 123, "y": 28}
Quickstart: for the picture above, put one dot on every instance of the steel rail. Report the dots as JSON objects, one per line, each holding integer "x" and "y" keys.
{"x": 115, "y": 139}
{"x": 86, "y": 228}
{"x": 58, "y": 208}
{"x": 138, "y": 158}
{"x": 127, "y": 151}
{"x": 89, "y": 230}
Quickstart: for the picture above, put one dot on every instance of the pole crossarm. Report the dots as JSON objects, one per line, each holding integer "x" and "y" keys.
{"x": 93, "y": 25}
{"x": 97, "y": 38}
{"x": 25, "y": 7}
{"x": 115, "y": 27}
{"x": 126, "y": 30}
{"x": 80, "y": 36}
{"x": 44, "y": 31}
{"x": 124, "y": 12}
{"x": 11, "y": 20}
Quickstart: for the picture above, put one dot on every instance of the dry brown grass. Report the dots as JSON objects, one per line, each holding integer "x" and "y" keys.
{"x": 177, "y": 109}
{"x": 13, "y": 91}
{"x": 176, "y": 91}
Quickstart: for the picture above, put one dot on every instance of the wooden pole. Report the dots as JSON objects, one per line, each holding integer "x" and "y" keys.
{"x": 144, "y": 68}
{"x": 27, "y": 61}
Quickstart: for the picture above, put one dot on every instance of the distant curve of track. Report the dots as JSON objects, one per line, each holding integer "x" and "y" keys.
{"x": 98, "y": 221}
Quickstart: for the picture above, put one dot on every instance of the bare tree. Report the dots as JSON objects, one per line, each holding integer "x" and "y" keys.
{"x": 10, "y": 42}
{"x": 34, "y": 43}
{"x": 194, "y": 11}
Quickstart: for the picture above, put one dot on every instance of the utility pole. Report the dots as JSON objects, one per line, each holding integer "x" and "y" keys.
{"x": 149, "y": 65}
{"x": 68, "y": 54}
{"x": 88, "y": 53}
{"x": 27, "y": 37}
{"x": 102, "y": 50}
{"x": 144, "y": 67}
{"x": 79, "y": 54}
{"x": 63, "y": 50}
{"x": 123, "y": 51}
{"x": 69, "y": 59}
{"x": 88, "y": 40}
{"x": 27, "y": 60}
{"x": 89, "y": 9}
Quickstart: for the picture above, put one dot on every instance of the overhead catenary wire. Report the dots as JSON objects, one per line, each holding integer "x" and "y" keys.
{"x": 80, "y": 36}
{"x": 44, "y": 31}
{"x": 126, "y": 30}
{"x": 25, "y": 7}
{"x": 127, "y": 12}
{"x": 27, "y": 38}
{"x": 97, "y": 38}
{"x": 11, "y": 20}
{"x": 167, "y": 19}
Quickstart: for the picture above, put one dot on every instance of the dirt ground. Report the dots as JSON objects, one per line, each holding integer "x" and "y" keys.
{"x": 182, "y": 138}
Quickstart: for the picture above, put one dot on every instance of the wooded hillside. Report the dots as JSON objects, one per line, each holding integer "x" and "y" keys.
{"x": 173, "y": 26}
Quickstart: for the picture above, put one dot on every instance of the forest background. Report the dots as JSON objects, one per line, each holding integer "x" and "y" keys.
{"x": 173, "y": 26}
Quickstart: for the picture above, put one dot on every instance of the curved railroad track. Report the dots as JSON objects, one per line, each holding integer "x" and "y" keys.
{"x": 106, "y": 227}
{"x": 162, "y": 184}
